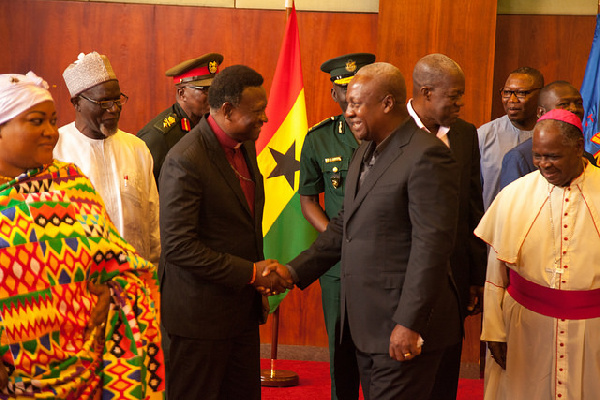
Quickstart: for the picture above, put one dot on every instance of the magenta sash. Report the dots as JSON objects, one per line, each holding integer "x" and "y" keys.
{"x": 564, "y": 304}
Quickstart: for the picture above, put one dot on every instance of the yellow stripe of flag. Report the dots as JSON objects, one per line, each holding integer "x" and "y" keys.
{"x": 277, "y": 190}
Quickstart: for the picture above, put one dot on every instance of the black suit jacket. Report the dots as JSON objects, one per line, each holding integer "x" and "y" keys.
{"x": 395, "y": 236}
{"x": 469, "y": 257}
{"x": 210, "y": 239}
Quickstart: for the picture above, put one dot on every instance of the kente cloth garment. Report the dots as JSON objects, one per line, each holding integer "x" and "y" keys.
{"x": 549, "y": 236}
{"x": 55, "y": 238}
{"x": 120, "y": 168}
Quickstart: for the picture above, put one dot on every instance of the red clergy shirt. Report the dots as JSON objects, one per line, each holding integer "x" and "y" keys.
{"x": 234, "y": 155}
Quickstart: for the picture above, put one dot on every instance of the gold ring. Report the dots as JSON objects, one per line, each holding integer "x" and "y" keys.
{"x": 407, "y": 355}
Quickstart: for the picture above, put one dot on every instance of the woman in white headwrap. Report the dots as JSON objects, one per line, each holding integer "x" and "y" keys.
{"x": 77, "y": 319}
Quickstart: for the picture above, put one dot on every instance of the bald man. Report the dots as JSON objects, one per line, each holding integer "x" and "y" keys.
{"x": 394, "y": 237}
{"x": 519, "y": 162}
{"x": 438, "y": 89}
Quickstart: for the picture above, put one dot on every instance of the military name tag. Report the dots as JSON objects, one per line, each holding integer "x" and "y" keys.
{"x": 333, "y": 159}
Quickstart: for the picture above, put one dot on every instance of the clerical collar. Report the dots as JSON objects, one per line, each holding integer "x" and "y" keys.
{"x": 224, "y": 140}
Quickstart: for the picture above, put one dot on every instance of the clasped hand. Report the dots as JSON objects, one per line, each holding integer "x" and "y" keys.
{"x": 272, "y": 278}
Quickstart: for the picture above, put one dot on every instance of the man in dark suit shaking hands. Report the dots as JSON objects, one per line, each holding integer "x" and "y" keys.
{"x": 211, "y": 206}
{"x": 438, "y": 89}
{"x": 394, "y": 236}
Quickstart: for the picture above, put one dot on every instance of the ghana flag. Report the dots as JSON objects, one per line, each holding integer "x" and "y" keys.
{"x": 286, "y": 231}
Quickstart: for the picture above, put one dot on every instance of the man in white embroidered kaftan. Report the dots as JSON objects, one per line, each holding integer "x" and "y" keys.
{"x": 542, "y": 293}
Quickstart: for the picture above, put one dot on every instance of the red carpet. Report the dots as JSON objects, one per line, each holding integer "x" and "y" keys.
{"x": 314, "y": 383}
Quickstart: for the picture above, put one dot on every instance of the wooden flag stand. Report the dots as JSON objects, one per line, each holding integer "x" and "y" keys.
{"x": 272, "y": 376}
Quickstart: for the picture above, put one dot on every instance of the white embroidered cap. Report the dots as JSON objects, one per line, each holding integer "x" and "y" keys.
{"x": 88, "y": 71}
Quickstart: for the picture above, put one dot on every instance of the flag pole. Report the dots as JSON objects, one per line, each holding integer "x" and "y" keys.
{"x": 272, "y": 376}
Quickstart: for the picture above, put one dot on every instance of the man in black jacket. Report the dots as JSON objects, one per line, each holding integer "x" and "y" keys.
{"x": 211, "y": 207}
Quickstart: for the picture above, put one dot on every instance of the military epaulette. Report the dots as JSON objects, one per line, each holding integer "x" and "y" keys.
{"x": 167, "y": 123}
{"x": 322, "y": 123}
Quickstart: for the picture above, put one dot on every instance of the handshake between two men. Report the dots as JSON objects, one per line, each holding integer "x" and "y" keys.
{"x": 272, "y": 278}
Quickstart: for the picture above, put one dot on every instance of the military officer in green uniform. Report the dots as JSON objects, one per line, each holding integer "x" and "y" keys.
{"x": 324, "y": 161}
{"x": 192, "y": 79}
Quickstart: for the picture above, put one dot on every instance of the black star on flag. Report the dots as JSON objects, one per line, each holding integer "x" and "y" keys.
{"x": 287, "y": 165}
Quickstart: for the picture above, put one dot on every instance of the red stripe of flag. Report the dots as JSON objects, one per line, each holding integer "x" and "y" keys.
{"x": 287, "y": 82}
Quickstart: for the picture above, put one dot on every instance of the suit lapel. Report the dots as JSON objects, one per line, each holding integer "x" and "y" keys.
{"x": 455, "y": 143}
{"x": 249, "y": 151}
{"x": 354, "y": 173}
{"x": 401, "y": 137}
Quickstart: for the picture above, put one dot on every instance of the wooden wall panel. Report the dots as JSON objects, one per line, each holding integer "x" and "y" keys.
{"x": 143, "y": 41}
{"x": 461, "y": 29}
{"x": 557, "y": 45}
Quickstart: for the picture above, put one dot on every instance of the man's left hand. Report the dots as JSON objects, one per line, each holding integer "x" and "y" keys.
{"x": 475, "y": 305}
{"x": 404, "y": 343}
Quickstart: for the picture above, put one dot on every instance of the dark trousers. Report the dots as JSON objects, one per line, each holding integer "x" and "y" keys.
{"x": 383, "y": 378}
{"x": 446, "y": 380}
{"x": 343, "y": 368}
{"x": 227, "y": 369}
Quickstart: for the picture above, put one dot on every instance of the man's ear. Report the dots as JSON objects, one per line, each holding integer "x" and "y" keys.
{"x": 227, "y": 109}
{"x": 334, "y": 95}
{"x": 75, "y": 102}
{"x": 181, "y": 93}
{"x": 426, "y": 92}
{"x": 388, "y": 102}
{"x": 580, "y": 145}
{"x": 540, "y": 111}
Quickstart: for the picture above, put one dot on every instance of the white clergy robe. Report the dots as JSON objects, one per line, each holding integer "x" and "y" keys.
{"x": 547, "y": 357}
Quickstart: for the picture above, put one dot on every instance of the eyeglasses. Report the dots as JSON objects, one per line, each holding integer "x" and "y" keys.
{"x": 519, "y": 94}
{"x": 108, "y": 104}
{"x": 204, "y": 89}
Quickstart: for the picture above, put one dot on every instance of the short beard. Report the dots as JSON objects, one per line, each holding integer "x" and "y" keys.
{"x": 108, "y": 132}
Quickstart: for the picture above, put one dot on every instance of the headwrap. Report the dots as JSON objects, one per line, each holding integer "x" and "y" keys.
{"x": 19, "y": 93}
{"x": 88, "y": 71}
{"x": 558, "y": 114}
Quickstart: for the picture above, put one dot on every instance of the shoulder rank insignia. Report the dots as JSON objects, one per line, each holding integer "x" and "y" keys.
{"x": 167, "y": 123}
{"x": 322, "y": 123}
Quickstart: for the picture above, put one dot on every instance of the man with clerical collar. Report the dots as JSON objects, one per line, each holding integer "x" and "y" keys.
{"x": 438, "y": 90}
{"x": 118, "y": 164}
{"x": 212, "y": 199}
{"x": 541, "y": 308}
{"x": 520, "y": 96}
{"x": 326, "y": 154}
{"x": 192, "y": 79}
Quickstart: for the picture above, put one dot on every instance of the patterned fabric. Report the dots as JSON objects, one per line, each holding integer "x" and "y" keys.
{"x": 55, "y": 238}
